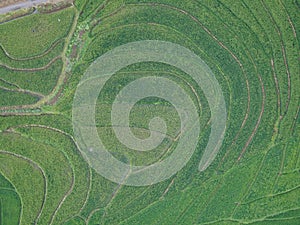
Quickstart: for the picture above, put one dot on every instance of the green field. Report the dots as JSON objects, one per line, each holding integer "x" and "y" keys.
{"x": 34, "y": 34}
{"x": 252, "y": 48}
{"x": 31, "y": 56}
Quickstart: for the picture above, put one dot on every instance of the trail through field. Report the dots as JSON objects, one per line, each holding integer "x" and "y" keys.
{"x": 7, "y": 7}
{"x": 21, "y": 5}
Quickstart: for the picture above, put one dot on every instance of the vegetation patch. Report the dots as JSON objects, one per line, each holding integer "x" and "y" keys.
{"x": 34, "y": 34}
{"x": 252, "y": 48}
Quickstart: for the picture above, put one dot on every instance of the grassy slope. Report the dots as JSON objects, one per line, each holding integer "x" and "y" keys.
{"x": 253, "y": 49}
{"x": 10, "y": 203}
{"x": 248, "y": 46}
{"x": 26, "y": 66}
{"x": 34, "y": 34}
{"x": 16, "y": 169}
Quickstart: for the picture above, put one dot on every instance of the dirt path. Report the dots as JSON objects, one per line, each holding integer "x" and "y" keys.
{"x": 5, "y": 3}
{"x": 12, "y": 5}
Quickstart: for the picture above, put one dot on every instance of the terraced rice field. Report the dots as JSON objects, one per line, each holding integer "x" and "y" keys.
{"x": 252, "y": 48}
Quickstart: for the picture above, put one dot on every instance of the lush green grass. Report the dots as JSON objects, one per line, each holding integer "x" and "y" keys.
{"x": 57, "y": 170}
{"x": 16, "y": 169}
{"x": 75, "y": 221}
{"x": 34, "y": 34}
{"x": 80, "y": 169}
{"x": 89, "y": 6}
{"x": 36, "y": 62}
{"x": 10, "y": 203}
{"x": 253, "y": 49}
{"x": 42, "y": 81}
{"x": 10, "y": 207}
{"x": 5, "y": 183}
{"x": 35, "y": 66}
{"x": 11, "y": 98}
{"x": 254, "y": 52}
